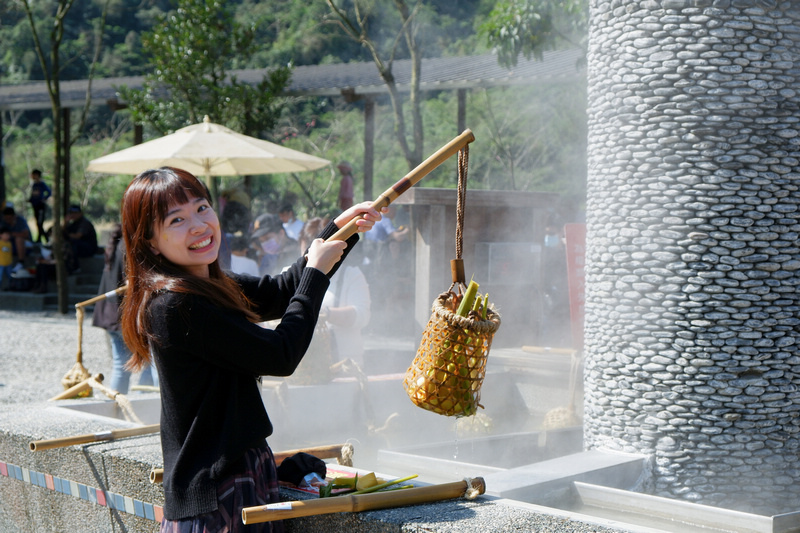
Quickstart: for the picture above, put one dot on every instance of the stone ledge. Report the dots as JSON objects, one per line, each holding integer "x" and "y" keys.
{"x": 121, "y": 468}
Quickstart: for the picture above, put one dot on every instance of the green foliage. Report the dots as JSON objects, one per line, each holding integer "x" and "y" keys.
{"x": 527, "y": 138}
{"x": 529, "y": 27}
{"x": 192, "y": 50}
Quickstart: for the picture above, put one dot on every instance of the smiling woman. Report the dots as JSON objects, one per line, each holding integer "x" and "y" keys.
{"x": 186, "y": 314}
{"x": 189, "y": 236}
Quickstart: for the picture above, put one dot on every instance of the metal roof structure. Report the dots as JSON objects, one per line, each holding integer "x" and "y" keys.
{"x": 351, "y": 79}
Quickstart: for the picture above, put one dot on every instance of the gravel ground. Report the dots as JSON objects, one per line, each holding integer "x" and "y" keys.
{"x": 38, "y": 348}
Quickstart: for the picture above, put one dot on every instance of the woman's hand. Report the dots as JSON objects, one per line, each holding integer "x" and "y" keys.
{"x": 324, "y": 255}
{"x": 365, "y": 216}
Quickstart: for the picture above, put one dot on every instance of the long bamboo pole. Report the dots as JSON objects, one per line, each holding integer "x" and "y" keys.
{"x": 321, "y": 452}
{"x": 49, "y": 444}
{"x": 355, "y": 503}
{"x": 423, "y": 169}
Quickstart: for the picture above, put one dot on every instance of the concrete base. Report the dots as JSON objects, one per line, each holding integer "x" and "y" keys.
{"x": 104, "y": 487}
{"x": 551, "y": 482}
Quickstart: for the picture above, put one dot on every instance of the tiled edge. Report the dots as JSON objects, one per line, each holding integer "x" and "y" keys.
{"x": 104, "y": 498}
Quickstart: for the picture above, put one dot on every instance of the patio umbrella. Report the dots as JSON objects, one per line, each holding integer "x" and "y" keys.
{"x": 208, "y": 149}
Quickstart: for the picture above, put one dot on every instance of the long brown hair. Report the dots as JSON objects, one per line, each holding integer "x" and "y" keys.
{"x": 144, "y": 206}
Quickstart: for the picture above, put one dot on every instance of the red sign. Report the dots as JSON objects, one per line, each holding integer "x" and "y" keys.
{"x": 575, "y": 234}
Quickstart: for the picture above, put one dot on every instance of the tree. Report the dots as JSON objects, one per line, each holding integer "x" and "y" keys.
{"x": 51, "y": 66}
{"x": 192, "y": 50}
{"x": 529, "y": 27}
{"x": 356, "y": 25}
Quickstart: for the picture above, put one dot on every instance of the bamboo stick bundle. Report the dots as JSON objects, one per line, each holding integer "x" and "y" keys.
{"x": 354, "y": 503}
{"x": 409, "y": 180}
{"x": 114, "y": 434}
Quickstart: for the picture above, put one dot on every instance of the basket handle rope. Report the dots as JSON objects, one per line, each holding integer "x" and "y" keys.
{"x": 457, "y": 264}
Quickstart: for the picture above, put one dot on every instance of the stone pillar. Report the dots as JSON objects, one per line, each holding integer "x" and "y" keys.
{"x": 693, "y": 246}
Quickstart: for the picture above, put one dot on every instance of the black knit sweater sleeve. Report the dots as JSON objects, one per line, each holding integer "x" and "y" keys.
{"x": 207, "y": 359}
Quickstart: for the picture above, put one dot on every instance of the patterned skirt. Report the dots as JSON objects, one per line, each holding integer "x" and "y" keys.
{"x": 256, "y": 484}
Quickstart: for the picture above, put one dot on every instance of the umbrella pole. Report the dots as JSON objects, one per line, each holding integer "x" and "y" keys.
{"x": 423, "y": 169}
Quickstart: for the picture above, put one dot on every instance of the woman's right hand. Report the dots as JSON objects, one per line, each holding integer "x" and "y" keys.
{"x": 324, "y": 255}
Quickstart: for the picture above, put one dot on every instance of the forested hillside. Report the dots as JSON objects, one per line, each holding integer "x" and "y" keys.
{"x": 529, "y": 138}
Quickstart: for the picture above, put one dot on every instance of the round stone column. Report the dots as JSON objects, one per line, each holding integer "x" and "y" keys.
{"x": 693, "y": 246}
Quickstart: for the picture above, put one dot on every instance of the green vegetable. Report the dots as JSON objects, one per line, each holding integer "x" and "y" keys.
{"x": 384, "y": 485}
{"x": 469, "y": 299}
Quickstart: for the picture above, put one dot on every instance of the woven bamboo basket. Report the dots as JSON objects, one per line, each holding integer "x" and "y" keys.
{"x": 448, "y": 369}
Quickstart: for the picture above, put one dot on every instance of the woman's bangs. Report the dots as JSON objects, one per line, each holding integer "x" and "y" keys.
{"x": 175, "y": 187}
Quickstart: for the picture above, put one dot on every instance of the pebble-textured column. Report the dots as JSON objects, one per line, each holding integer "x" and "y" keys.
{"x": 693, "y": 246}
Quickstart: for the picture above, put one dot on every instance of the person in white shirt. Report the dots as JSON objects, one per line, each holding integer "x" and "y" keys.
{"x": 240, "y": 263}
{"x": 346, "y": 306}
{"x": 291, "y": 225}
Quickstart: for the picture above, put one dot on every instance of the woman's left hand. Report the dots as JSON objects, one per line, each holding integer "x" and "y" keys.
{"x": 366, "y": 216}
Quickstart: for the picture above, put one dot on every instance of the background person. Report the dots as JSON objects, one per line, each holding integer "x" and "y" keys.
{"x": 240, "y": 263}
{"x": 106, "y": 316}
{"x": 20, "y": 235}
{"x": 346, "y": 306}
{"x": 40, "y": 192}
{"x": 80, "y": 234}
{"x": 291, "y": 224}
{"x": 346, "y": 185}
{"x": 181, "y": 310}
{"x": 6, "y": 256}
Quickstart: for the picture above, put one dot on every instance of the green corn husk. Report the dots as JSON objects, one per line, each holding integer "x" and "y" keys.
{"x": 468, "y": 300}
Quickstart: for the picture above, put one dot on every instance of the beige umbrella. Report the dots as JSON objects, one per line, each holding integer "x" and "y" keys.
{"x": 208, "y": 149}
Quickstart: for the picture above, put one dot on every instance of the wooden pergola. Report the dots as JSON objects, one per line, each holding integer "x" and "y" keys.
{"x": 357, "y": 81}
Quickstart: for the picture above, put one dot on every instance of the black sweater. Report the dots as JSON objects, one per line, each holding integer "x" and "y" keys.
{"x": 208, "y": 359}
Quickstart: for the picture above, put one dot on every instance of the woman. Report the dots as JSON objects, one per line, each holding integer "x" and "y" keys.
{"x": 199, "y": 325}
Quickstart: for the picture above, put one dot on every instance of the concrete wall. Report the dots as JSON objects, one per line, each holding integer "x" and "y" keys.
{"x": 692, "y": 257}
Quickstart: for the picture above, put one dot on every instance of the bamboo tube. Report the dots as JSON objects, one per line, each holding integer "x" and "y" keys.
{"x": 320, "y": 452}
{"x": 114, "y": 434}
{"x": 109, "y": 294}
{"x": 355, "y": 503}
{"x": 410, "y": 179}
{"x": 77, "y": 389}
{"x": 329, "y": 451}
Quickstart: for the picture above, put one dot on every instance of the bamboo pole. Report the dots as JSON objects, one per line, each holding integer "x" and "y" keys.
{"x": 114, "y": 434}
{"x": 329, "y": 451}
{"x": 423, "y": 169}
{"x": 95, "y": 299}
{"x": 355, "y": 503}
{"x": 79, "y": 388}
{"x": 78, "y": 373}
